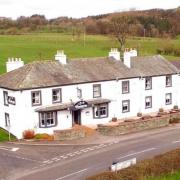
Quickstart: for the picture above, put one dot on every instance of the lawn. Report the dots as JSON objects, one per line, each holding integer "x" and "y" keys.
{"x": 173, "y": 176}
{"x": 4, "y": 136}
{"x": 44, "y": 45}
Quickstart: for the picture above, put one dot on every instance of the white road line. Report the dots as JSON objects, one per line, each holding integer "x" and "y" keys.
{"x": 174, "y": 142}
{"x": 8, "y": 148}
{"x": 140, "y": 152}
{"x": 64, "y": 157}
{"x": 14, "y": 149}
{"x": 70, "y": 154}
{"x": 4, "y": 149}
{"x": 71, "y": 174}
{"x": 77, "y": 152}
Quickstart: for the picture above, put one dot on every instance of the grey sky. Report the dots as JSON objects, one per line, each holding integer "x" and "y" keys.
{"x": 77, "y": 8}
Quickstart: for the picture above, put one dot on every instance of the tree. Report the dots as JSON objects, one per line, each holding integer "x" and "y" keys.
{"x": 120, "y": 28}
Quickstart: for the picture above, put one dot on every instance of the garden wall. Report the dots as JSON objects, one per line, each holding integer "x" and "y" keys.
{"x": 136, "y": 125}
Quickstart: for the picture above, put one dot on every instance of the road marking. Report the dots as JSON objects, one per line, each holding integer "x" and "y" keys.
{"x": 64, "y": 157}
{"x": 71, "y": 174}
{"x": 8, "y": 148}
{"x": 178, "y": 141}
{"x": 14, "y": 149}
{"x": 140, "y": 152}
{"x": 77, "y": 152}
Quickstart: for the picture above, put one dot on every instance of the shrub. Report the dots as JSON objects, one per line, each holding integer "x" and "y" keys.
{"x": 161, "y": 110}
{"x": 114, "y": 119}
{"x": 176, "y": 107}
{"x": 44, "y": 136}
{"x": 139, "y": 114}
{"x": 174, "y": 120}
{"x": 28, "y": 134}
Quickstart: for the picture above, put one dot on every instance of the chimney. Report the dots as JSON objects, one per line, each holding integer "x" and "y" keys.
{"x": 13, "y": 64}
{"x": 127, "y": 56}
{"x": 114, "y": 53}
{"x": 61, "y": 57}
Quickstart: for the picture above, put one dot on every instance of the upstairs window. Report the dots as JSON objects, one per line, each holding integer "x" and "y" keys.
{"x": 125, "y": 106}
{"x": 125, "y": 87}
{"x": 168, "y": 81}
{"x": 148, "y": 102}
{"x": 101, "y": 111}
{"x": 96, "y": 90}
{"x": 79, "y": 93}
{"x": 148, "y": 83}
{"x": 36, "y": 98}
{"x": 56, "y": 96}
{"x": 168, "y": 98}
{"x": 47, "y": 119}
{"x": 5, "y": 94}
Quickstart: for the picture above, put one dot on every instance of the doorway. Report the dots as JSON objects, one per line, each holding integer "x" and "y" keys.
{"x": 76, "y": 116}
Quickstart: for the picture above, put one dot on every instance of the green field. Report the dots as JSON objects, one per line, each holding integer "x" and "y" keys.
{"x": 173, "y": 176}
{"x": 4, "y": 136}
{"x": 43, "y": 46}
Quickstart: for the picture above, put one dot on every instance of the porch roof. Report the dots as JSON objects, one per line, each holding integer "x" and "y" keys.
{"x": 65, "y": 106}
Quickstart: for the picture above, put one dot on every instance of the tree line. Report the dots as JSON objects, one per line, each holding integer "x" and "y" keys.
{"x": 148, "y": 23}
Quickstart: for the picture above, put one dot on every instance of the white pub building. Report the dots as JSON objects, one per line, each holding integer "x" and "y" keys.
{"x": 56, "y": 95}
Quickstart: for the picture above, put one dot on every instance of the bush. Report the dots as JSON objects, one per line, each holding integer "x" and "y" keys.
{"x": 176, "y": 107}
{"x": 44, "y": 136}
{"x": 174, "y": 120}
{"x": 159, "y": 165}
{"x": 28, "y": 134}
{"x": 161, "y": 110}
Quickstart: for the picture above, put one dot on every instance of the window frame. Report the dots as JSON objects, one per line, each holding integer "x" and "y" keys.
{"x": 94, "y": 86}
{"x": 170, "y": 84}
{"x": 7, "y": 120}
{"x": 5, "y": 96}
{"x": 170, "y": 98}
{"x": 148, "y": 78}
{"x": 128, "y": 110}
{"x": 60, "y": 99}
{"x": 46, "y": 118}
{"x": 79, "y": 93}
{"x": 128, "y": 86}
{"x": 148, "y": 107}
{"x": 40, "y": 98}
{"x": 98, "y": 106}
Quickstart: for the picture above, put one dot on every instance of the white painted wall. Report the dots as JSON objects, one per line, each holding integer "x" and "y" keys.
{"x": 23, "y": 115}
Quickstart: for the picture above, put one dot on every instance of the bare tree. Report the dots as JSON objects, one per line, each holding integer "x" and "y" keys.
{"x": 120, "y": 28}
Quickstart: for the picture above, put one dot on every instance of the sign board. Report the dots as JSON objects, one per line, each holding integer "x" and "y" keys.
{"x": 80, "y": 105}
{"x": 121, "y": 165}
{"x": 11, "y": 100}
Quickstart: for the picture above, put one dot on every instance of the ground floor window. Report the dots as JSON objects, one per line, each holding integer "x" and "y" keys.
{"x": 101, "y": 111}
{"x": 148, "y": 102}
{"x": 7, "y": 120}
{"x": 47, "y": 119}
{"x": 125, "y": 106}
{"x": 168, "y": 98}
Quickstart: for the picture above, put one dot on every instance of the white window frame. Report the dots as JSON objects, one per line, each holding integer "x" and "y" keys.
{"x": 56, "y": 95}
{"x": 96, "y": 90}
{"x": 7, "y": 120}
{"x": 125, "y": 87}
{"x": 5, "y": 95}
{"x": 168, "y": 98}
{"x": 37, "y": 98}
{"x": 100, "y": 111}
{"x": 79, "y": 93}
{"x": 47, "y": 119}
{"x": 168, "y": 81}
{"x": 148, "y": 99}
{"x": 125, "y": 103}
{"x": 148, "y": 83}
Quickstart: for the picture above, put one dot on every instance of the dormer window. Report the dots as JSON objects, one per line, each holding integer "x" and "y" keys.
{"x": 56, "y": 96}
{"x": 148, "y": 83}
{"x": 168, "y": 81}
{"x": 36, "y": 98}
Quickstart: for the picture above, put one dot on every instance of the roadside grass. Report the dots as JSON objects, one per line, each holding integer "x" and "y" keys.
{"x": 172, "y": 176}
{"x": 4, "y": 136}
{"x": 40, "y": 46}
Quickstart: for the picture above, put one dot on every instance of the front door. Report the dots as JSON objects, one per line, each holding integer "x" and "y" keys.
{"x": 76, "y": 115}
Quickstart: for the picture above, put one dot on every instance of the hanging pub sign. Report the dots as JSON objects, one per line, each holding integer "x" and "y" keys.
{"x": 11, "y": 100}
{"x": 80, "y": 105}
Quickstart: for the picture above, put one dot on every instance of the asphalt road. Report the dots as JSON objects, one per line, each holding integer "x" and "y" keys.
{"x": 89, "y": 161}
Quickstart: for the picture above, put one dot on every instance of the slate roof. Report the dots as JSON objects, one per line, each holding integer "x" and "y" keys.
{"x": 41, "y": 74}
{"x": 176, "y": 63}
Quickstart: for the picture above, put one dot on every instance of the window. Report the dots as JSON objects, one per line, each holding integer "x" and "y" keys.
{"x": 7, "y": 120}
{"x": 125, "y": 87}
{"x": 5, "y": 94}
{"x": 148, "y": 83}
{"x": 47, "y": 119}
{"x": 96, "y": 90}
{"x": 36, "y": 98}
{"x": 125, "y": 106}
{"x": 79, "y": 93}
{"x": 148, "y": 102}
{"x": 56, "y": 95}
{"x": 101, "y": 111}
{"x": 168, "y": 81}
{"x": 168, "y": 98}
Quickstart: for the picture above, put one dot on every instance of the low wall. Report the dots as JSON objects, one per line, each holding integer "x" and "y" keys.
{"x": 69, "y": 134}
{"x": 136, "y": 125}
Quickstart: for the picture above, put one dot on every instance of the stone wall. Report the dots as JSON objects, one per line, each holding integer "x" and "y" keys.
{"x": 136, "y": 125}
{"x": 69, "y": 134}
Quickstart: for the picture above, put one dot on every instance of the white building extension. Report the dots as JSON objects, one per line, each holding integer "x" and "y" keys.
{"x": 55, "y": 95}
